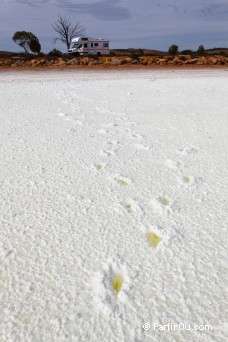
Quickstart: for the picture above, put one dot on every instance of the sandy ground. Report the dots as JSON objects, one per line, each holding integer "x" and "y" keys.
{"x": 117, "y": 68}
{"x": 94, "y": 165}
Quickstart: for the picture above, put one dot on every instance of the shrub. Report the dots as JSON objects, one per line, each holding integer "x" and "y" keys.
{"x": 134, "y": 55}
{"x": 201, "y": 50}
{"x": 41, "y": 54}
{"x": 173, "y": 49}
{"x": 187, "y": 52}
{"x": 55, "y": 53}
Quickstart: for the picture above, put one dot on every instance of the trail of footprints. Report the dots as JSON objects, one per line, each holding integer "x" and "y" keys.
{"x": 118, "y": 281}
{"x": 114, "y": 278}
{"x": 67, "y": 117}
{"x": 115, "y": 281}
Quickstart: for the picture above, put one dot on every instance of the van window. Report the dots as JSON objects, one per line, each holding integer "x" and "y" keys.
{"x": 95, "y": 44}
{"x": 91, "y": 44}
{"x": 105, "y": 45}
{"x": 85, "y": 45}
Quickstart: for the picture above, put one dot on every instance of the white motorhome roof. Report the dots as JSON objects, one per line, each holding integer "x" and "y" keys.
{"x": 78, "y": 39}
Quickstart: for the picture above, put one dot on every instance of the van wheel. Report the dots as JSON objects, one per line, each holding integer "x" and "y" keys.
{"x": 98, "y": 54}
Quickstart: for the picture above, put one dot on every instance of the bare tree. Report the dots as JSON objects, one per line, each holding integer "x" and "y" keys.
{"x": 66, "y": 30}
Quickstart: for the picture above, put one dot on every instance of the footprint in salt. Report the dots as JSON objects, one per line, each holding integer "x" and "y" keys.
{"x": 123, "y": 181}
{"x": 65, "y": 116}
{"x": 111, "y": 124}
{"x": 113, "y": 142}
{"x": 153, "y": 239}
{"x": 186, "y": 179}
{"x": 172, "y": 164}
{"x": 111, "y": 286}
{"x": 120, "y": 180}
{"x": 61, "y": 114}
{"x": 132, "y": 123}
{"x": 102, "y": 132}
{"x": 78, "y": 122}
{"x": 192, "y": 181}
{"x": 137, "y": 136}
{"x": 122, "y": 118}
{"x": 107, "y": 153}
{"x": 142, "y": 147}
{"x": 162, "y": 205}
{"x": 99, "y": 166}
{"x": 117, "y": 283}
{"x": 164, "y": 200}
{"x": 130, "y": 205}
{"x": 188, "y": 150}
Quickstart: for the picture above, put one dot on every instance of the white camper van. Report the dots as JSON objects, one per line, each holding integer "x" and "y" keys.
{"x": 89, "y": 46}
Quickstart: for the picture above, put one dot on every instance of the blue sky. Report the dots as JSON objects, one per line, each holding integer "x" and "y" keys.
{"x": 151, "y": 24}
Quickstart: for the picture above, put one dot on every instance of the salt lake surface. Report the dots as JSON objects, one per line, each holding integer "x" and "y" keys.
{"x": 113, "y": 198}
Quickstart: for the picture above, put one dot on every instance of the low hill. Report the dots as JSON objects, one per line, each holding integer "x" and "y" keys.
{"x": 6, "y": 54}
{"x": 217, "y": 51}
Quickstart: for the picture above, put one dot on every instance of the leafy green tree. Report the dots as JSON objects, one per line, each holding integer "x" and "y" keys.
{"x": 35, "y": 46}
{"x": 173, "y": 49}
{"x": 201, "y": 50}
{"x": 24, "y": 39}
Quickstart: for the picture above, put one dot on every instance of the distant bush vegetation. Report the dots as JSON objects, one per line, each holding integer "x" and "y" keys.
{"x": 218, "y": 48}
{"x": 55, "y": 53}
{"x": 173, "y": 49}
{"x": 187, "y": 52}
{"x": 201, "y": 50}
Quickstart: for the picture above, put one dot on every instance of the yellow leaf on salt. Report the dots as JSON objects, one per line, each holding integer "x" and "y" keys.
{"x": 153, "y": 239}
{"x": 117, "y": 283}
{"x": 122, "y": 182}
{"x": 99, "y": 166}
{"x": 164, "y": 201}
{"x": 129, "y": 206}
{"x": 186, "y": 179}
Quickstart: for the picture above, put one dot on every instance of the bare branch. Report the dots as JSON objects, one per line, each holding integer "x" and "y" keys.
{"x": 67, "y": 31}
